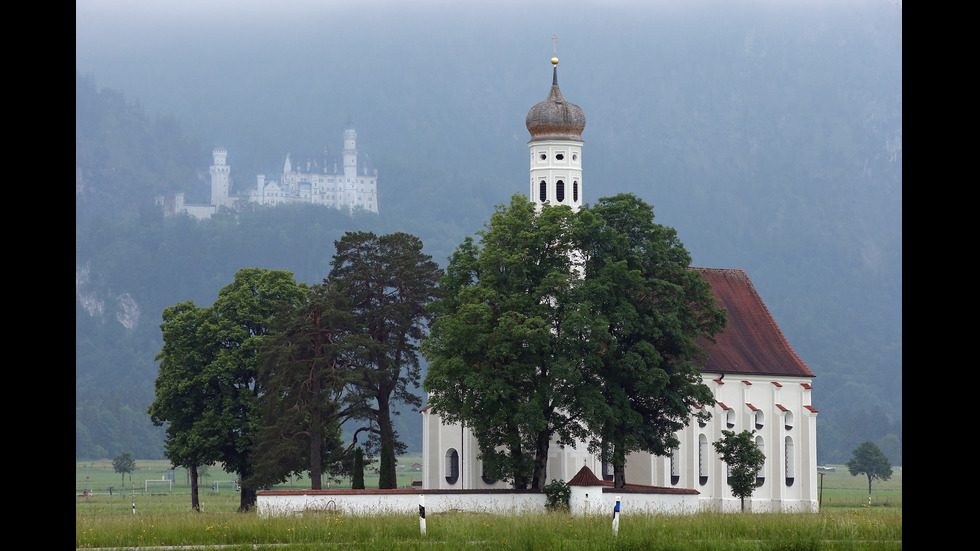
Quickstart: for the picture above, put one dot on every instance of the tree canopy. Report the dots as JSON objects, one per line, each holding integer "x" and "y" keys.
{"x": 263, "y": 379}
{"x": 504, "y": 348}
{"x": 304, "y": 374}
{"x": 869, "y": 460}
{"x": 569, "y": 326}
{"x": 182, "y": 391}
{"x": 124, "y": 463}
{"x": 387, "y": 281}
{"x": 646, "y": 312}
{"x": 208, "y": 386}
{"x": 744, "y": 459}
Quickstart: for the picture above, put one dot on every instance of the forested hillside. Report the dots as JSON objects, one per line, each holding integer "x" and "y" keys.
{"x": 776, "y": 147}
{"x": 132, "y": 262}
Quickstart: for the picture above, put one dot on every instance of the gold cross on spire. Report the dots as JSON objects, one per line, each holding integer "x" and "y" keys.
{"x": 554, "y": 44}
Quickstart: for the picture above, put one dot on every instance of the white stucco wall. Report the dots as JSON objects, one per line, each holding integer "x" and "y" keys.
{"x": 599, "y": 501}
{"x": 786, "y": 415}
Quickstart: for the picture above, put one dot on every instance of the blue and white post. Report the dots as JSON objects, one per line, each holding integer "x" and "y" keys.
{"x": 422, "y": 514}
{"x": 615, "y": 524}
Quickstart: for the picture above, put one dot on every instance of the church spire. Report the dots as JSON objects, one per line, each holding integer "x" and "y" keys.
{"x": 556, "y": 126}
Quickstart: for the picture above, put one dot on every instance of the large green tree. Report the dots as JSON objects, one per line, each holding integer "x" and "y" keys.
{"x": 216, "y": 411}
{"x": 869, "y": 460}
{"x": 646, "y": 312}
{"x": 570, "y": 326}
{"x": 387, "y": 281}
{"x": 245, "y": 309}
{"x": 744, "y": 459}
{"x": 182, "y": 391}
{"x": 505, "y": 348}
{"x": 304, "y": 374}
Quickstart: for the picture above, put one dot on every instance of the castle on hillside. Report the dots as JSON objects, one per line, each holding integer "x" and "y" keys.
{"x": 345, "y": 183}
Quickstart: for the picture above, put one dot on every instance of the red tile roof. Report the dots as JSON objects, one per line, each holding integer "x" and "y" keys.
{"x": 585, "y": 477}
{"x": 752, "y": 343}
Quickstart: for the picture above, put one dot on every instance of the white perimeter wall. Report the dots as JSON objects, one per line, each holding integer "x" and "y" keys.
{"x": 407, "y": 501}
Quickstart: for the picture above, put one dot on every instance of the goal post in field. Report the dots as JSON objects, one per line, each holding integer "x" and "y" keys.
{"x": 216, "y": 485}
{"x": 146, "y": 485}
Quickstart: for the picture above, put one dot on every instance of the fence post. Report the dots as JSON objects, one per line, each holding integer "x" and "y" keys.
{"x": 422, "y": 514}
{"x": 615, "y": 522}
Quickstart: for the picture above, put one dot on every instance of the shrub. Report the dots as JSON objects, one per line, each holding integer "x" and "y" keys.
{"x": 558, "y": 495}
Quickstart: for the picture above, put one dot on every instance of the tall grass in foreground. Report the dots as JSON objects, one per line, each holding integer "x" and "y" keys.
{"x": 859, "y": 528}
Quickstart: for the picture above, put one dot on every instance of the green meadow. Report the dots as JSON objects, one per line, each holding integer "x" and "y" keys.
{"x": 160, "y": 516}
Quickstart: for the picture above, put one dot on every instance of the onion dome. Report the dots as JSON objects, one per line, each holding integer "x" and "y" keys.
{"x": 555, "y": 118}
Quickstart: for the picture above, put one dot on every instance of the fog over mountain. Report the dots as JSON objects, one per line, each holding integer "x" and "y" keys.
{"x": 768, "y": 133}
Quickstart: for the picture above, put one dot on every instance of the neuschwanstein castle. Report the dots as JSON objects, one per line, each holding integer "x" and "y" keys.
{"x": 347, "y": 183}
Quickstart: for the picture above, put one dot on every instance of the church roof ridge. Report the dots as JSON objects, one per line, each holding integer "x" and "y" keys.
{"x": 752, "y": 343}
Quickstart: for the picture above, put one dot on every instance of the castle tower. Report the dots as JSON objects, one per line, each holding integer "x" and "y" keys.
{"x": 350, "y": 166}
{"x": 220, "y": 178}
{"x": 556, "y": 149}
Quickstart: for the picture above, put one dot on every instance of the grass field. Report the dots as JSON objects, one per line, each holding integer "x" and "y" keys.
{"x": 162, "y": 518}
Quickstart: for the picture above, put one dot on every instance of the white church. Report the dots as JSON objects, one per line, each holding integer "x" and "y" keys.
{"x": 345, "y": 183}
{"x": 757, "y": 379}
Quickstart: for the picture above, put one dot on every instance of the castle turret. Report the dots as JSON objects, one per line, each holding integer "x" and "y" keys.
{"x": 220, "y": 178}
{"x": 350, "y": 166}
{"x": 556, "y": 127}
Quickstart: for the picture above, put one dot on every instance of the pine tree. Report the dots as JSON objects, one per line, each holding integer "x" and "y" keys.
{"x": 357, "y": 480}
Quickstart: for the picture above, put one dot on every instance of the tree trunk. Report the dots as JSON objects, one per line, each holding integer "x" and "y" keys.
{"x": 521, "y": 479}
{"x": 316, "y": 447}
{"x": 195, "y": 499}
{"x": 387, "y": 433}
{"x": 540, "y": 478}
{"x": 869, "y": 483}
{"x": 619, "y": 475}
{"x": 247, "y": 499}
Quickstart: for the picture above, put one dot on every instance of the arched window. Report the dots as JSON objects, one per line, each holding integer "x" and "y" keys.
{"x": 760, "y": 419}
{"x": 730, "y": 418}
{"x": 452, "y": 465}
{"x": 760, "y": 478}
{"x": 704, "y": 456}
{"x": 560, "y": 191}
{"x": 790, "y": 470}
{"x": 543, "y": 191}
{"x": 483, "y": 475}
{"x": 789, "y": 420}
{"x": 575, "y": 191}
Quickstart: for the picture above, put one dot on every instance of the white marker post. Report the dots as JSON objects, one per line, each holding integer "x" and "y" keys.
{"x": 422, "y": 514}
{"x": 615, "y": 524}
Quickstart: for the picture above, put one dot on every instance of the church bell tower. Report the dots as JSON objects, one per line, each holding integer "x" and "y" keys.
{"x": 556, "y": 127}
